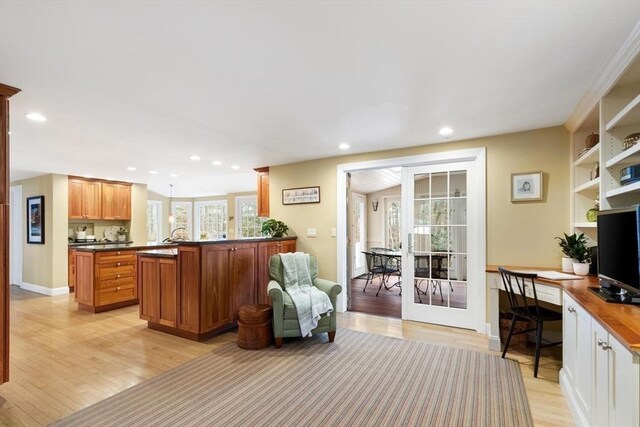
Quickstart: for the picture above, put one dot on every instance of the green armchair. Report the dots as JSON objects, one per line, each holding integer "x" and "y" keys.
{"x": 285, "y": 317}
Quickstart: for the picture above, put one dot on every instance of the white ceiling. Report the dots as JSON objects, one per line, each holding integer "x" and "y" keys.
{"x": 147, "y": 84}
{"x": 372, "y": 180}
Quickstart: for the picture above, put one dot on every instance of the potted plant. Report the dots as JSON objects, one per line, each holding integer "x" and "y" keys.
{"x": 568, "y": 245}
{"x": 122, "y": 234}
{"x": 274, "y": 228}
{"x": 582, "y": 258}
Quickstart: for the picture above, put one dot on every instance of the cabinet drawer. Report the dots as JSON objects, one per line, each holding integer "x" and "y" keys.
{"x": 115, "y": 256}
{"x": 121, "y": 281}
{"x": 549, "y": 294}
{"x": 113, "y": 270}
{"x": 114, "y": 295}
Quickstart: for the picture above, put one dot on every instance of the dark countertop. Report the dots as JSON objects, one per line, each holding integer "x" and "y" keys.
{"x": 118, "y": 246}
{"x": 121, "y": 247}
{"x": 162, "y": 253}
{"x": 75, "y": 244}
{"x": 246, "y": 240}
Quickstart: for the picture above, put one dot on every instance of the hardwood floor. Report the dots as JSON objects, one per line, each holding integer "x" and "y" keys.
{"x": 387, "y": 303}
{"x": 63, "y": 359}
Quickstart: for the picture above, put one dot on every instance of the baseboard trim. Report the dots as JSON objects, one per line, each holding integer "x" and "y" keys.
{"x": 572, "y": 403}
{"x": 52, "y": 292}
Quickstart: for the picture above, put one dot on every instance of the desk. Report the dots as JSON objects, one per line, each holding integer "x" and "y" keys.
{"x": 620, "y": 320}
{"x": 600, "y": 375}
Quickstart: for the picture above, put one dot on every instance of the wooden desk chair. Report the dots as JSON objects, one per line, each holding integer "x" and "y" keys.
{"x": 515, "y": 285}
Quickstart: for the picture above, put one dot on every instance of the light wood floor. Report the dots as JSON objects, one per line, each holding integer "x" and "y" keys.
{"x": 63, "y": 359}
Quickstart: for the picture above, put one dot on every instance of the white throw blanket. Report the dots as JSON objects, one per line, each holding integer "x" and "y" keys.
{"x": 310, "y": 302}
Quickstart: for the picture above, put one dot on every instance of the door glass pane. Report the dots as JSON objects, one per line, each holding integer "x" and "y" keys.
{"x": 439, "y": 212}
{"x": 458, "y": 184}
{"x": 458, "y": 211}
{"x": 422, "y": 186}
{"x": 439, "y": 239}
{"x": 422, "y": 212}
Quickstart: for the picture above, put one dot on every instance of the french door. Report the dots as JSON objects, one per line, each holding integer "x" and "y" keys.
{"x": 440, "y": 230}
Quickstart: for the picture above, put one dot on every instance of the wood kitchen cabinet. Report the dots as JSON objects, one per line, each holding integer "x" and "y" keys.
{"x": 212, "y": 281}
{"x": 95, "y": 199}
{"x": 263, "y": 191}
{"x": 116, "y": 201}
{"x": 85, "y": 199}
{"x": 105, "y": 280}
{"x": 157, "y": 279}
{"x": 71, "y": 272}
{"x": 265, "y": 251}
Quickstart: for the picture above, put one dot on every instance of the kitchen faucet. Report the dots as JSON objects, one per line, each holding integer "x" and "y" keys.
{"x": 171, "y": 238}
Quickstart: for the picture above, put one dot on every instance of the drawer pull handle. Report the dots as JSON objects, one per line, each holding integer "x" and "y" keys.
{"x": 571, "y": 310}
{"x": 118, "y": 288}
{"x": 605, "y": 345}
{"x": 118, "y": 276}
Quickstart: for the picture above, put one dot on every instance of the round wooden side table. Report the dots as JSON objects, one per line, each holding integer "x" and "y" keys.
{"x": 254, "y": 326}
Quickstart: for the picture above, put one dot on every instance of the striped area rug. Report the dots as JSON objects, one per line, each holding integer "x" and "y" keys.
{"x": 359, "y": 380}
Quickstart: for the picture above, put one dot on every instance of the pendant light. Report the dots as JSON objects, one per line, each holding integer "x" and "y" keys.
{"x": 171, "y": 218}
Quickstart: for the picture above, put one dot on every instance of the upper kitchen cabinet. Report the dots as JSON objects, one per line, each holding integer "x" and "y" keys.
{"x": 94, "y": 199}
{"x": 116, "y": 201}
{"x": 263, "y": 191}
{"x": 85, "y": 199}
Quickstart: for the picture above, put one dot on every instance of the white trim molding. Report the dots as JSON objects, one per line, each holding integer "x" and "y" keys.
{"x": 608, "y": 77}
{"x": 473, "y": 154}
{"x": 52, "y": 292}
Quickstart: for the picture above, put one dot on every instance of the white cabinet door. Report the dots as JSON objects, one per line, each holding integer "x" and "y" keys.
{"x": 624, "y": 372}
{"x": 569, "y": 332}
{"x": 601, "y": 379}
{"x": 583, "y": 376}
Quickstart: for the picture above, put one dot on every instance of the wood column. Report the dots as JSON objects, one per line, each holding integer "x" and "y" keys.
{"x": 5, "y": 93}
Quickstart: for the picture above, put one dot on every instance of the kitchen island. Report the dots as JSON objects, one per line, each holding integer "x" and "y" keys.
{"x": 194, "y": 291}
{"x": 105, "y": 275}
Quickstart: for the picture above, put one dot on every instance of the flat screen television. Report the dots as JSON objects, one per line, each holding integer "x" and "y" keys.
{"x": 619, "y": 254}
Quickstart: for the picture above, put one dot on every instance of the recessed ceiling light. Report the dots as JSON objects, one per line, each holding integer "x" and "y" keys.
{"x": 131, "y": 168}
{"x": 235, "y": 167}
{"x": 194, "y": 157}
{"x": 445, "y": 131}
{"x": 344, "y": 146}
{"x": 174, "y": 175}
{"x": 153, "y": 172}
{"x": 36, "y": 117}
{"x": 216, "y": 162}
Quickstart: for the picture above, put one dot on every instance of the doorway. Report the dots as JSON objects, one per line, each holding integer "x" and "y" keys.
{"x": 464, "y": 259}
{"x": 15, "y": 235}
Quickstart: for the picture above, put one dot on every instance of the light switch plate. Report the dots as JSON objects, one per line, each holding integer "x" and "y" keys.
{"x": 333, "y": 232}
{"x": 312, "y": 232}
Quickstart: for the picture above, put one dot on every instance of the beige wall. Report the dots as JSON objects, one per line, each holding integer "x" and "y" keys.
{"x": 46, "y": 265}
{"x": 138, "y": 224}
{"x": 375, "y": 220}
{"x": 517, "y": 233}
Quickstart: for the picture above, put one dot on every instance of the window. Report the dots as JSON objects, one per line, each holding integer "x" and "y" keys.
{"x": 393, "y": 224}
{"x": 211, "y": 220}
{"x": 154, "y": 221}
{"x": 248, "y": 224}
{"x": 183, "y": 220}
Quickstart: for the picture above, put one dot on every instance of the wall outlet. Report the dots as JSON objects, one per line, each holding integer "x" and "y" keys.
{"x": 312, "y": 232}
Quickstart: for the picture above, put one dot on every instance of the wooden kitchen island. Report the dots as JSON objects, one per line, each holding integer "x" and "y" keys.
{"x": 194, "y": 291}
{"x": 105, "y": 276}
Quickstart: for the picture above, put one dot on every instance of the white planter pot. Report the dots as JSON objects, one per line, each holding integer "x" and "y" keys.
{"x": 567, "y": 264}
{"x": 581, "y": 268}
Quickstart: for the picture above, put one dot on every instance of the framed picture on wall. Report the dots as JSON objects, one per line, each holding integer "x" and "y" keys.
{"x": 526, "y": 186}
{"x": 296, "y": 196}
{"x": 35, "y": 220}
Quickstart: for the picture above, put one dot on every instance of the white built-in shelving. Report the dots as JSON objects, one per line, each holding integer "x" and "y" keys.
{"x": 628, "y": 116}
